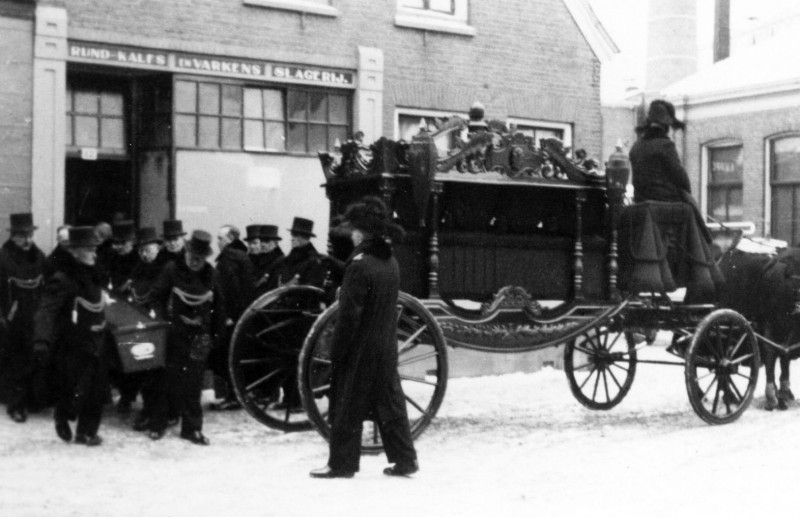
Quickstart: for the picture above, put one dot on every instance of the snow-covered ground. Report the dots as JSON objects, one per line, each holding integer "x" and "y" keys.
{"x": 510, "y": 445}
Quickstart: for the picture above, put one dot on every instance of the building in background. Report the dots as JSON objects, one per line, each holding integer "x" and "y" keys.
{"x": 213, "y": 112}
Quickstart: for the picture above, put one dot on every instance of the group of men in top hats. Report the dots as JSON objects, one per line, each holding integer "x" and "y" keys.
{"x": 56, "y": 348}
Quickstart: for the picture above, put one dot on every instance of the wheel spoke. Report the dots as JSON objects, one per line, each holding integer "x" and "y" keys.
{"x": 248, "y": 362}
{"x": 321, "y": 390}
{"x": 418, "y": 380}
{"x": 617, "y": 365}
{"x": 581, "y": 367}
{"x": 411, "y": 338}
{"x": 262, "y": 380}
{"x": 738, "y": 344}
{"x": 278, "y": 326}
{"x": 322, "y": 360}
{"x": 614, "y": 378}
{"x": 415, "y": 404}
{"x": 605, "y": 385}
{"x": 417, "y": 358}
{"x": 742, "y": 359}
{"x": 588, "y": 376}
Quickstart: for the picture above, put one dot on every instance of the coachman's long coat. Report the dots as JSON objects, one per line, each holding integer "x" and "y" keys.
{"x": 657, "y": 171}
{"x": 365, "y": 383}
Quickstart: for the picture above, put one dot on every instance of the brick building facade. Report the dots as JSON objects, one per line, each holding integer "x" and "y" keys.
{"x": 212, "y": 111}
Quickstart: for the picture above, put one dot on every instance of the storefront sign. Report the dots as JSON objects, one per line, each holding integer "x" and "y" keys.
{"x": 220, "y": 65}
{"x": 119, "y": 55}
{"x": 314, "y": 75}
{"x": 183, "y": 62}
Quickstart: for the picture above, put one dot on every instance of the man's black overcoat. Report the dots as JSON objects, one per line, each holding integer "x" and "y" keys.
{"x": 365, "y": 383}
{"x": 657, "y": 171}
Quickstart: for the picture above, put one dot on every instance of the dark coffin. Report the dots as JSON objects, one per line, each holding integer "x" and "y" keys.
{"x": 141, "y": 340}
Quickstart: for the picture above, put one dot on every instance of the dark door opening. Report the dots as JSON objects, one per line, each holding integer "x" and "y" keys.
{"x": 98, "y": 190}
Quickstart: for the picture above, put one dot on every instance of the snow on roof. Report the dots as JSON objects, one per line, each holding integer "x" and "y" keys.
{"x": 592, "y": 29}
{"x": 763, "y": 68}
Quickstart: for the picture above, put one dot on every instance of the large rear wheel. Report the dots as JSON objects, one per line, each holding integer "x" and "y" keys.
{"x": 422, "y": 365}
{"x": 600, "y": 365}
{"x": 264, "y": 350}
{"x": 722, "y": 367}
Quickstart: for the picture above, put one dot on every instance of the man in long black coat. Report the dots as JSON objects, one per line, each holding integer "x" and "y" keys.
{"x": 21, "y": 284}
{"x": 70, "y": 323}
{"x": 365, "y": 383}
{"x": 238, "y": 289}
{"x": 303, "y": 265}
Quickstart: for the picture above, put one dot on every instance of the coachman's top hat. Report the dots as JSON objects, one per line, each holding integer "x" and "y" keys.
{"x": 83, "y": 237}
{"x": 173, "y": 228}
{"x": 662, "y": 113}
{"x": 199, "y": 243}
{"x": 123, "y": 231}
{"x": 269, "y": 232}
{"x": 303, "y": 227}
{"x": 147, "y": 235}
{"x": 370, "y": 215}
{"x": 253, "y": 232}
{"x": 22, "y": 223}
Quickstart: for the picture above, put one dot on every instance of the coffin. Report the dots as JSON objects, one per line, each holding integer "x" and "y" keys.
{"x": 141, "y": 341}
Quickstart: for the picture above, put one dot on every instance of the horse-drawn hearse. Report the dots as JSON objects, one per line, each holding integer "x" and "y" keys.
{"x": 511, "y": 246}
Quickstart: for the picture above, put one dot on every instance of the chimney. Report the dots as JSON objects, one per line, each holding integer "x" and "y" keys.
{"x": 722, "y": 30}
{"x": 671, "y": 43}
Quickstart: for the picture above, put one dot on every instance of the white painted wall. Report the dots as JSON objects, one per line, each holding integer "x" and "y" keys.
{"x": 216, "y": 188}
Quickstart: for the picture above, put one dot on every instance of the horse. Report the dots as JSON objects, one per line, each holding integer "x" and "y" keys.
{"x": 763, "y": 287}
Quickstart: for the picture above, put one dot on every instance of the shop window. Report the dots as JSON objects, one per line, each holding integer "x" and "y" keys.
{"x": 725, "y": 173}
{"x": 435, "y": 15}
{"x": 227, "y": 116}
{"x": 96, "y": 119}
{"x": 784, "y": 154}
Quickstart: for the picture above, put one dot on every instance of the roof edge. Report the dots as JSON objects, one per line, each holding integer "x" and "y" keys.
{"x": 591, "y": 27}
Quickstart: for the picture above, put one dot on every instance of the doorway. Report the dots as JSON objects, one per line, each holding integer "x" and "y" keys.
{"x": 100, "y": 190}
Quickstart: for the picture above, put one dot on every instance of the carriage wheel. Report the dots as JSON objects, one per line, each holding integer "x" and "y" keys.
{"x": 722, "y": 367}
{"x": 263, "y": 355}
{"x": 422, "y": 364}
{"x": 600, "y": 365}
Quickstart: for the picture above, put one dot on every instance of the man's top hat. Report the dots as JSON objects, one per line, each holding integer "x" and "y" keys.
{"x": 123, "y": 231}
{"x": 199, "y": 243}
{"x": 303, "y": 227}
{"x": 173, "y": 228}
{"x": 22, "y": 223}
{"x": 83, "y": 237}
{"x": 662, "y": 113}
{"x": 147, "y": 235}
{"x": 253, "y": 232}
{"x": 269, "y": 232}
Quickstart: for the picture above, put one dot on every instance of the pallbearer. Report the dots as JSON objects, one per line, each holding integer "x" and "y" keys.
{"x": 71, "y": 324}
{"x": 21, "y": 283}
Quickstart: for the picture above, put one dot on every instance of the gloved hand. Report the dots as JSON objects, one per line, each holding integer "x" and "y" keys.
{"x": 41, "y": 352}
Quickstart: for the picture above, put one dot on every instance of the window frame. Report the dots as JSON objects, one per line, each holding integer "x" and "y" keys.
{"x": 771, "y": 185}
{"x": 426, "y": 113}
{"x": 728, "y": 186}
{"x": 302, "y": 6}
{"x": 565, "y": 127}
{"x": 72, "y": 148}
{"x": 425, "y": 19}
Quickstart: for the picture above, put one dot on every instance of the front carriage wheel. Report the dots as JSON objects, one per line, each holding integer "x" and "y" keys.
{"x": 263, "y": 354}
{"x": 600, "y": 365}
{"x": 722, "y": 367}
{"x": 422, "y": 365}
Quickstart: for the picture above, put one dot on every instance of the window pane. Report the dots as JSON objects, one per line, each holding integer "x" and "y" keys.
{"x": 442, "y": 6}
{"x": 253, "y": 134}
{"x": 231, "y": 100}
{"x": 112, "y": 133}
{"x": 297, "y": 105}
{"x": 726, "y": 164}
{"x": 185, "y": 97}
{"x": 782, "y": 213}
{"x": 273, "y": 105}
{"x": 415, "y": 4}
{"x": 185, "y": 131}
{"x": 318, "y": 104}
{"x": 252, "y": 103}
{"x": 231, "y": 133}
{"x": 786, "y": 159}
{"x": 735, "y": 206}
{"x": 716, "y": 204}
{"x": 86, "y": 132}
{"x": 111, "y": 103}
{"x": 68, "y": 137}
{"x": 85, "y": 102}
{"x": 296, "y": 140}
{"x": 338, "y": 109}
{"x": 208, "y": 136}
{"x": 317, "y": 138}
{"x": 209, "y": 99}
{"x": 336, "y": 133}
{"x": 276, "y": 139}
